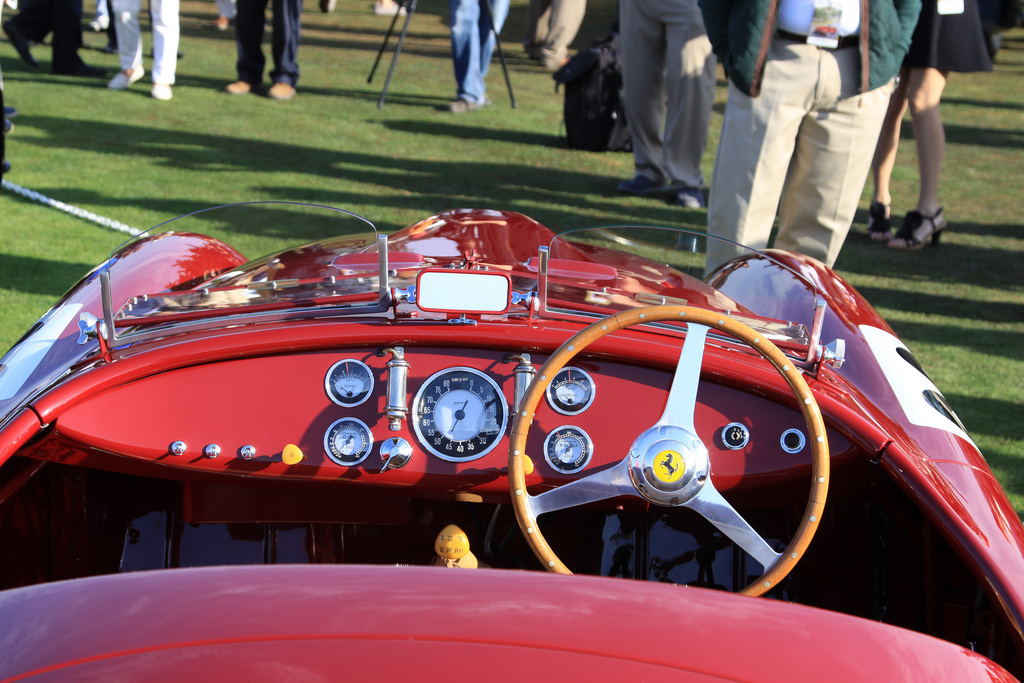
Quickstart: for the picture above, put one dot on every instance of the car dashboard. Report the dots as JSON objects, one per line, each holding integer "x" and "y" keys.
{"x": 429, "y": 417}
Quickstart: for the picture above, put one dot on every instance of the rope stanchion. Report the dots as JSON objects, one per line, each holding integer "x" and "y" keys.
{"x": 75, "y": 211}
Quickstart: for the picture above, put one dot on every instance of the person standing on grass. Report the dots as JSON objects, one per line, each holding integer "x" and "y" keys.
{"x": 63, "y": 18}
{"x": 668, "y": 76}
{"x": 474, "y": 36}
{"x": 166, "y": 36}
{"x": 809, "y": 85}
{"x": 250, "y": 20}
{"x": 945, "y": 40}
{"x": 551, "y": 26}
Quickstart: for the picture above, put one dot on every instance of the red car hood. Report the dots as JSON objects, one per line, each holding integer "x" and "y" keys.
{"x": 392, "y": 623}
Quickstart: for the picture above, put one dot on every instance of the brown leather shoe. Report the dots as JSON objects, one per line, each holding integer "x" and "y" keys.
{"x": 238, "y": 88}
{"x": 281, "y": 91}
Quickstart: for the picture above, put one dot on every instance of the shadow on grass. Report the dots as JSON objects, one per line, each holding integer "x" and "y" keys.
{"x": 426, "y": 183}
{"x": 926, "y": 303}
{"x": 39, "y": 276}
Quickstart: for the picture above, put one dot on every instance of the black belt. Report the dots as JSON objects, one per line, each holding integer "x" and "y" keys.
{"x": 844, "y": 41}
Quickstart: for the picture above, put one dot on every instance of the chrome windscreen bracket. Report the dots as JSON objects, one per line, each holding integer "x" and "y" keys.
{"x": 106, "y": 330}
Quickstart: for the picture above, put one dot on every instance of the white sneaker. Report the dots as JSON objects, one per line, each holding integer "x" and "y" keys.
{"x": 161, "y": 91}
{"x": 100, "y": 23}
{"x": 123, "y": 79}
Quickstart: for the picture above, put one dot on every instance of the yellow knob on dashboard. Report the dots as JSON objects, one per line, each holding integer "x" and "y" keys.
{"x": 292, "y": 455}
{"x": 452, "y": 543}
{"x": 527, "y": 465}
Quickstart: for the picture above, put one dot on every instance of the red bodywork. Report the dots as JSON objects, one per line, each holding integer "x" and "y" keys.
{"x": 428, "y": 624}
{"x": 910, "y": 502}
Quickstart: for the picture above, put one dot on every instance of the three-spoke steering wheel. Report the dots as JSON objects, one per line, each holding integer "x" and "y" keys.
{"x": 668, "y": 464}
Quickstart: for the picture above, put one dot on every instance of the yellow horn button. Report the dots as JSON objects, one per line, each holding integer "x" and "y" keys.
{"x": 669, "y": 466}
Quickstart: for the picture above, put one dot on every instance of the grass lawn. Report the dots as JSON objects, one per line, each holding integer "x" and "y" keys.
{"x": 132, "y": 159}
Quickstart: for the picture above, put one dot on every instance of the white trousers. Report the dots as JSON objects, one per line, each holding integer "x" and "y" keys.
{"x": 803, "y": 149}
{"x": 166, "y": 34}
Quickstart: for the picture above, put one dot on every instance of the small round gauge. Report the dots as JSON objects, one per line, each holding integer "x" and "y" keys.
{"x": 459, "y": 414}
{"x": 568, "y": 449}
{"x": 571, "y": 391}
{"x": 348, "y": 441}
{"x": 349, "y": 382}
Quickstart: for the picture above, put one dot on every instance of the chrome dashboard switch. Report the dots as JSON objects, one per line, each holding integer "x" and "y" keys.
{"x": 395, "y": 452}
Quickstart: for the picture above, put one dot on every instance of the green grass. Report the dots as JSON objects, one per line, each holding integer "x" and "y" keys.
{"x": 960, "y": 308}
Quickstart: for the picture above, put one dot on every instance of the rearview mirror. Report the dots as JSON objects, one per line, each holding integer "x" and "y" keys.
{"x": 463, "y": 291}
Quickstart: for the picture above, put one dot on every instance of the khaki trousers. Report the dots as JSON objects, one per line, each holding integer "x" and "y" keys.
{"x": 803, "y": 149}
{"x": 551, "y": 26}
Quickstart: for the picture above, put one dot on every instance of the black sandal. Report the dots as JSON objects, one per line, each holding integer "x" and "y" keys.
{"x": 918, "y": 227}
{"x": 879, "y": 225}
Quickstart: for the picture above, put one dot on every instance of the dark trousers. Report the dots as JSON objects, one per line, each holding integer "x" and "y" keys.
{"x": 61, "y": 17}
{"x": 284, "y": 40}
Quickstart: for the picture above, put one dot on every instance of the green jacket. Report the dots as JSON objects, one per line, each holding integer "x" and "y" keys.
{"x": 742, "y": 31}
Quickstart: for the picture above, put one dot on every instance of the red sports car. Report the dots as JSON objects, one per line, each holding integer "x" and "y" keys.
{"x": 479, "y": 448}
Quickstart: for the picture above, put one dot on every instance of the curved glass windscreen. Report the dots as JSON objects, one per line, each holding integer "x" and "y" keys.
{"x": 341, "y": 271}
{"x": 598, "y": 271}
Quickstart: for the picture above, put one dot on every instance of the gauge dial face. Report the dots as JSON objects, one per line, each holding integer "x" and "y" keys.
{"x": 348, "y": 441}
{"x": 568, "y": 449}
{"x": 571, "y": 391}
{"x": 459, "y": 414}
{"x": 349, "y": 382}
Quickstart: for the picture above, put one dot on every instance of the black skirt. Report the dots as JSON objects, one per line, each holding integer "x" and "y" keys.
{"x": 949, "y": 42}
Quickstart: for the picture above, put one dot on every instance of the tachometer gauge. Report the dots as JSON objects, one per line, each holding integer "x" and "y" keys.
{"x": 349, "y": 382}
{"x": 348, "y": 441}
{"x": 571, "y": 391}
{"x": 459, "y": 414}
{"x": 568, "y": 449}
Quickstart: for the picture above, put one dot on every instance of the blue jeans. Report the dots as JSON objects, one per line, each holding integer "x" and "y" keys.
{"x": 473, "y": 44}
{"x": 284, "y": 42}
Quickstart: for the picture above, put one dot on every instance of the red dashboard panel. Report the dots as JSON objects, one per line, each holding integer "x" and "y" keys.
{"x": 270, "y": 402}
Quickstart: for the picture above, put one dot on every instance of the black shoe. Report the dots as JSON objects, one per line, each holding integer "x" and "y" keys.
{"x": 20, "y": 43}
{"x": 879, "y": 222}
{"x": 10, "y": 112}
{"x": 7, "y": 166}
{"x": 83, "y": 70}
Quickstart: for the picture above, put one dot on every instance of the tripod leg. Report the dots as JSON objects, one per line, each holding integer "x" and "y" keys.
{"x": 501, "y": 54}
{"x": 384, "y": 45}
{"x": 410, "y": 10}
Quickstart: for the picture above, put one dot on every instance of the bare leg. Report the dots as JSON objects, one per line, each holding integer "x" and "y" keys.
{"x": 888, "y": 142}
{"x": 926, "y": 86}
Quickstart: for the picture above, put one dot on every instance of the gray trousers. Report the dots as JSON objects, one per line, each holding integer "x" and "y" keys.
{"x": 668, "y": 70}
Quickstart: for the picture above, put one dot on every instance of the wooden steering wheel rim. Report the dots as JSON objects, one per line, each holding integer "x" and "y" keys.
{"x": 808, "y": 407}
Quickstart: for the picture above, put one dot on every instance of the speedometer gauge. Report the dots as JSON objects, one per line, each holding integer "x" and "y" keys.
{"x": 348, "y": 441}
{"x": 571, "y": 391}
{"x": 349, "y": 382}
{"x": 459, "y": 414}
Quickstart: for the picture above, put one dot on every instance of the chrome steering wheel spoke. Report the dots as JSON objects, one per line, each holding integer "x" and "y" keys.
{"x": 601, "y": 485}
{"x": 682, "y": 396}
{"x": 710, "y": 504}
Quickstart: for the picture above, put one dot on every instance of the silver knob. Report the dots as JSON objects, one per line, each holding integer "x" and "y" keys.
{"x": 178, "y": 448}
{"x": 395, "y": 453}
{"x": 247, "y": 452}
{"x": 211, "y": 451}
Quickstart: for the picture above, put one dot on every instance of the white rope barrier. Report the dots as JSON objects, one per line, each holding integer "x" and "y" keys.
{"x": 76, "y": 211}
